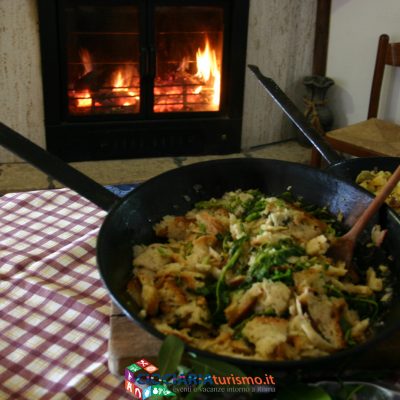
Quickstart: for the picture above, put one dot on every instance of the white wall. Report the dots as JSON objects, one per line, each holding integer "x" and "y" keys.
{"x": 353, "y": 39}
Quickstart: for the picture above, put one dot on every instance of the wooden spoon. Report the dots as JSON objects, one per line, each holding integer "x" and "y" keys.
{"x": 343, "y": 247}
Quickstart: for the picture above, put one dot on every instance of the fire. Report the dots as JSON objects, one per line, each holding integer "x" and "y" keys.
{"x": 83, "y": 99}
{"x": 118, "y": 83}
{"x": 217, "y": 88}
{"x": 194, "y": 85}
{"x": 118, "y": 90}
{"x": 208, "y": 70}
{"x": 201, "y": 91}
{"x": 86, "y": 61}
{"x": 121, "y": 83}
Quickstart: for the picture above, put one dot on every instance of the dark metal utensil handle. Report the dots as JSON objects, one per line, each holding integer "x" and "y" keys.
{"x": 56, "y": 168}
{"x": 297, "y": 117}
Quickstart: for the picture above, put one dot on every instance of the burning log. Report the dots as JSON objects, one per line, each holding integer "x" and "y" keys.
{"x": 93, "y": 80}
{"x": 194, "y": 85}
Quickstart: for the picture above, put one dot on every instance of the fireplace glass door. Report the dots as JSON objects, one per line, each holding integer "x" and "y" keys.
{"x": 103, "y": 45}
{"x": 113, "y": 65}
{"x": 188, "y": 59}
{"x": 142, "y": 78}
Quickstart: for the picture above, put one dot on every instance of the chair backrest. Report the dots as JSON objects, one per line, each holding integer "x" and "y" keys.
{"x": 387, "y": 54}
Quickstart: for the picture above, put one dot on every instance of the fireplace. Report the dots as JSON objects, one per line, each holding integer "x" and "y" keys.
{"x": 140, "y": 78}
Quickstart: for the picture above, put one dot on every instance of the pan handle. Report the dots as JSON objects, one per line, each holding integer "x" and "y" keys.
{"x": 56, "y": 168}
{"x": 297, "y": 117}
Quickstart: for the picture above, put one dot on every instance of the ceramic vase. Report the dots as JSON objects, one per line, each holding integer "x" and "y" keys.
{"x": 317, "y": 110}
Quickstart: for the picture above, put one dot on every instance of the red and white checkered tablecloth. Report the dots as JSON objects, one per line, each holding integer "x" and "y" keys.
{"x": 54, "y": 322}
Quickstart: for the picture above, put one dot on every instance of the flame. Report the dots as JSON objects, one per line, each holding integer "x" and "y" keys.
{"x": 217, "y": 88}
{"x": 83, "y": 98}
{"x": 86, "y": 60}
{"x": 184, "y": 89}
{"x": 208, "y": 70}
{"x": 119, "y": 82}
{"x": 203, "y": 91}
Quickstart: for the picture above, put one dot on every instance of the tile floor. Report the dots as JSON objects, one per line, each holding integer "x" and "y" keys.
{"x": 19, "y": 177}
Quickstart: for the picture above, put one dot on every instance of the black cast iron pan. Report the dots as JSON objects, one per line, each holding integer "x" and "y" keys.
{"x": 337, "y": 165}
{"x": 349, "y": 169}
{"x": 130, "y": 220}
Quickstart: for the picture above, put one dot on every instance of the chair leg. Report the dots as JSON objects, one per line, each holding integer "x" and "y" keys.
{"x": 315, "y": 159}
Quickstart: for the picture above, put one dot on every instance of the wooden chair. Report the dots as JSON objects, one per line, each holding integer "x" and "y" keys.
{"x": 373, "y": 137}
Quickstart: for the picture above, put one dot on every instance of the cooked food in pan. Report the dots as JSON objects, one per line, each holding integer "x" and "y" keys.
{"x": 247, "y": 275}
{"x": 373, "y": 181}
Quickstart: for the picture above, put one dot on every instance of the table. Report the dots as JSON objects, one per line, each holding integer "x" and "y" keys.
{"x": 54, "y": 323}
{"x": 54, "y": 310}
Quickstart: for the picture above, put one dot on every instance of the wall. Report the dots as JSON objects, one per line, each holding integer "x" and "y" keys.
{"x": 280, "y": 42}
{"x": 354, "y": 31}
{"x": 21, "y": 99}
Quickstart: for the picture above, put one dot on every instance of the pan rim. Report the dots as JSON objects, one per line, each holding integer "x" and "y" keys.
{"x": 276, "y": 365}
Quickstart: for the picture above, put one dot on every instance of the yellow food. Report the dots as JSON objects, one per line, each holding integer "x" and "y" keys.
{"x": 248, "y": 276}
{"x": 373, "y": 181}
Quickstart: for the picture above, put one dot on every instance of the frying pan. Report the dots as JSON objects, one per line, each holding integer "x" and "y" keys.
{"x": 349, "y": 169}
{"x": 130, "y": 219}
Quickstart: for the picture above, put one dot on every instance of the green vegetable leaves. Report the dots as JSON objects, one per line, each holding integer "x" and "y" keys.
{"x": 172, "y": 360}
{"x": 235, "y": 252}
{"x": 170, "y": 355}
{"x": 232, "y": 202}
{"x": 366, "y": 307}
{"x": 302, "y": 392}
{"x": 322, "y": 213}
{"x": 254, "y": 207}
{"x": 274, "y": 255}
{"x": 248, "y": 205}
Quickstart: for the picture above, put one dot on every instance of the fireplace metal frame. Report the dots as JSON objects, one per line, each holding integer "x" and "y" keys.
{"x": 147, "y": 134}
